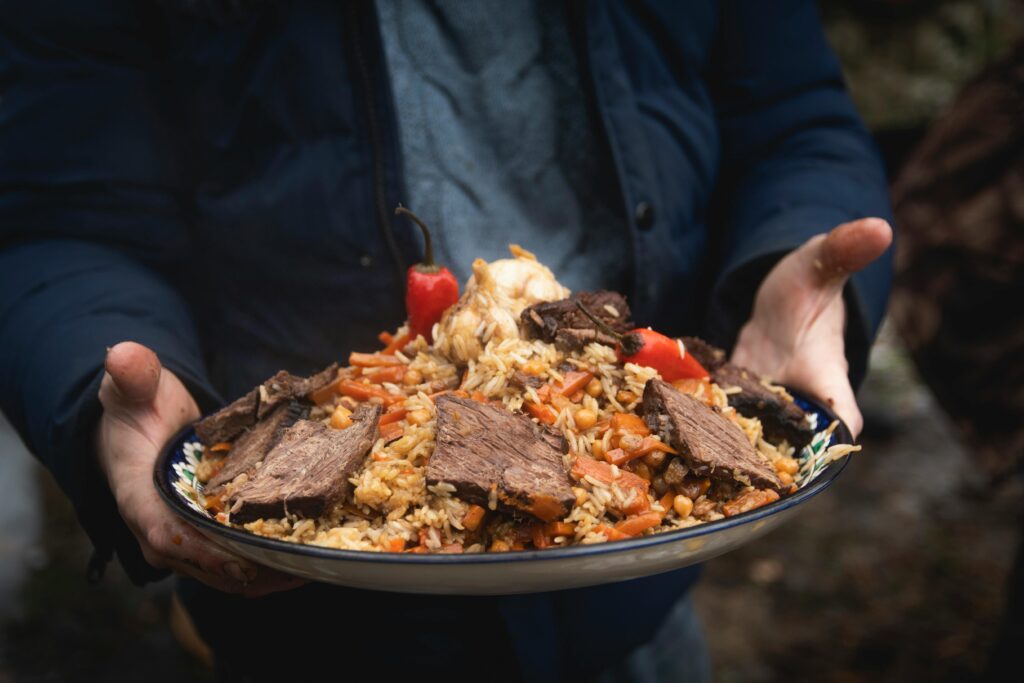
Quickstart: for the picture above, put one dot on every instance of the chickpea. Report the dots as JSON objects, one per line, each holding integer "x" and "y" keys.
{"x": 418, "y": 417}
{"x": 655, "y": 459}
{"x": 581, "y": 495}
{"x": 594, "y": 388}
{"x": 683, "y": 506}
{"x": 788, "y": 465}
{"x": 534, "y": 367}
{"x": 412, "y": 378}
{"x": 500, "y": 546}
{"x": 625, "y": 396}
{"x": 341, "y": 418}
{"x": 585, "y": 418}
{"x": 599, "y": 449}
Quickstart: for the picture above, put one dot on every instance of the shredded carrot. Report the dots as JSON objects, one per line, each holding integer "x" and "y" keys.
{"x": 478, "y": 396}
{"x": 396, "y": 545}
{"x": 326, "y": 393}
{"x": 618, "y": 456}
{"x": 539, "y": 538}
{"x": 393, "y": 415}
{"x": 544, "y": 393}
{"x": 627, "y": 423}
{"x": 473, "y": 517}
{"x": 626, "y": 481}
{"x": 452, "y": 549}
{"x": 574, "y": 381}
{"x": 221, "y": 447}
{"x": 372, "y": 360}
{"x": 610, "y": 533}
{"x": 465, "y": 378}
{"x": 364, "y": 392}
{"x": 386, "y": 337}
{"x": 559, "y": 529}
{"x": 433, "y": 397}
{"x": 396, "y": 344}
{"x": 391, "y": 431}
{"x": 542, "y": 412}
{"x": 632, "y": 526}
{"x": 666, "y": 502}
{"x": 391, "y": 373}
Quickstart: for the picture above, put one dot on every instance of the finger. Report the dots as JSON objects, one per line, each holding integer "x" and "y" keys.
{"x": 135, "y": 371}
{"x": 850, "y": 247}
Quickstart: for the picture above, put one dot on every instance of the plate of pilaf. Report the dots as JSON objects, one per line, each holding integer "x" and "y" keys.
{"x": 530, "y": 439}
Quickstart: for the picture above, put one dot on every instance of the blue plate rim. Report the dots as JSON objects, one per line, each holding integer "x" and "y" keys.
{"x": 823, "y": 481}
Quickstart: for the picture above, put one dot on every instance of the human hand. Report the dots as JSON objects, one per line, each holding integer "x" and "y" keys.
{"x": 144, "y": 405}
{"x": 795, "y": 334}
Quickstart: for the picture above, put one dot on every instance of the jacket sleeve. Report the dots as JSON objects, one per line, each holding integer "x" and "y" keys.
{"x": 796, "y": 161}
{"x": 90, "y": 230}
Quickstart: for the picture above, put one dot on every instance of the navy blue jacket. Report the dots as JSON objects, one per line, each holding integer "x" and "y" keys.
{"x": 219, "y": 188}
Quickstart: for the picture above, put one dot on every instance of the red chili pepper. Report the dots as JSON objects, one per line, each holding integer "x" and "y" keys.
{"x": 430, "y": 289}
{"x": 651, "y": 349}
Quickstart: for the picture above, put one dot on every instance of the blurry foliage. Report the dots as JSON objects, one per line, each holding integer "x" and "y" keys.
{"x": 904, "y": 60}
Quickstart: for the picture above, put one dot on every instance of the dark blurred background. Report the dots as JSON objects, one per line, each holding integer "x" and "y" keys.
{"x": 902, "y": 571}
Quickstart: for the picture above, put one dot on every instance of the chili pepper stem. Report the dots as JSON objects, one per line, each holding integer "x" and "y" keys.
{"x": 428, "y": 251}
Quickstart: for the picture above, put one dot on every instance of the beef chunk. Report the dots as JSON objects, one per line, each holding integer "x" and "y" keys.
{"x": 711, "y": 445}
{"x": 252, "y": 446}
{"x": 522, "y": 380}
{"x": 285, "y": 386}
{"x": 308, "y": 471}
{"x": 229, "y": 421}
{"x": 780, "y": 417}
{"x": 563, "y": 323}
{"x": 706, "y": 354}
{"x": 481, "y": 448}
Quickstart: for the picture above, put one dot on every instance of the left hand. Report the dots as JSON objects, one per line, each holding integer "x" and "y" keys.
{"x": 795, "y": 334}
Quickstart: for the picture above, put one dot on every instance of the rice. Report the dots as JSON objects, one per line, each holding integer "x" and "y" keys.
{"x": 390, "y": 508}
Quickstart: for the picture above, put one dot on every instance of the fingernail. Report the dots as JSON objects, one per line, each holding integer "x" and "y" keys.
{"x": 234, "y": 570}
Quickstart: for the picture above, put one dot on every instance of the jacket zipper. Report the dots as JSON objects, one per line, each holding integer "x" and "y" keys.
{"x": 376, "y": 143}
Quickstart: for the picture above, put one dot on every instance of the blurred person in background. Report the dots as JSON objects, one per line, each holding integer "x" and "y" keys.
{"x": 213, "y": 180}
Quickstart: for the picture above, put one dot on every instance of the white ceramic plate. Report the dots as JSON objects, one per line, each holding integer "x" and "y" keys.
{"x": 527, "y": 571}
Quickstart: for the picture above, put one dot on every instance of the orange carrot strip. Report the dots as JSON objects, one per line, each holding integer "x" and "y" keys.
{"x": 632, "y": 526}
{"x": 391, "y": 373}
{"x": 385, "y": 337}
{"x": 666, "y": 502}
{"x": 372, "y": 360}
{"x": 364, "y": 392}
{"x": 611, "y": 533}
{"x": 602, "y": 471}
{"x": 478, "y": 396}
{"x": 574, "y": 381}
{"x": 326, "y": 393}
{"x": 539, "y": 538}
{"x": 396, "y": 344}
{"x": 544, "y": 393}
{"x": 471, "y": 520}
{"x": 629, "y": 423}
{"x": 393, "y": 415}
{"x": 542, "y": 412}
{"x": 559, "y": 529}
{"x": 391, "y": 431}
{"x": 396, "y": 545}
{"x": 223, "y": 446}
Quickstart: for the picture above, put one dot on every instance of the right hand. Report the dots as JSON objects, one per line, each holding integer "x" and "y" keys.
{"x": 144, "y": 405}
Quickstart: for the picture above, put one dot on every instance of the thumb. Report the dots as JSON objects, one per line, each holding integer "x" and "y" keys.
{"x": 135, "y": 371}
{"x": 849, "y": 247}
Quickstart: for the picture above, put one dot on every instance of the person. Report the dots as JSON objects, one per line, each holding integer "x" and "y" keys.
{"x": 194, "y": 195}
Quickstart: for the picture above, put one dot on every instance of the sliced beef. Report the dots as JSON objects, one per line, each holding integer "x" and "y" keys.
{"x": 253, "y": 445}
{"x": 563, "y": 323}
{"x": 285, "y": 386}
{"x": 780, "y": 417}
{"x": 308, "y": 471}
{"x": 710, "y": 444}
{"x": 229, "y": 421}
{"x": 708, "y": 355}
{"x": 522, "y": 380}
{"x": 480, "y": 448}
